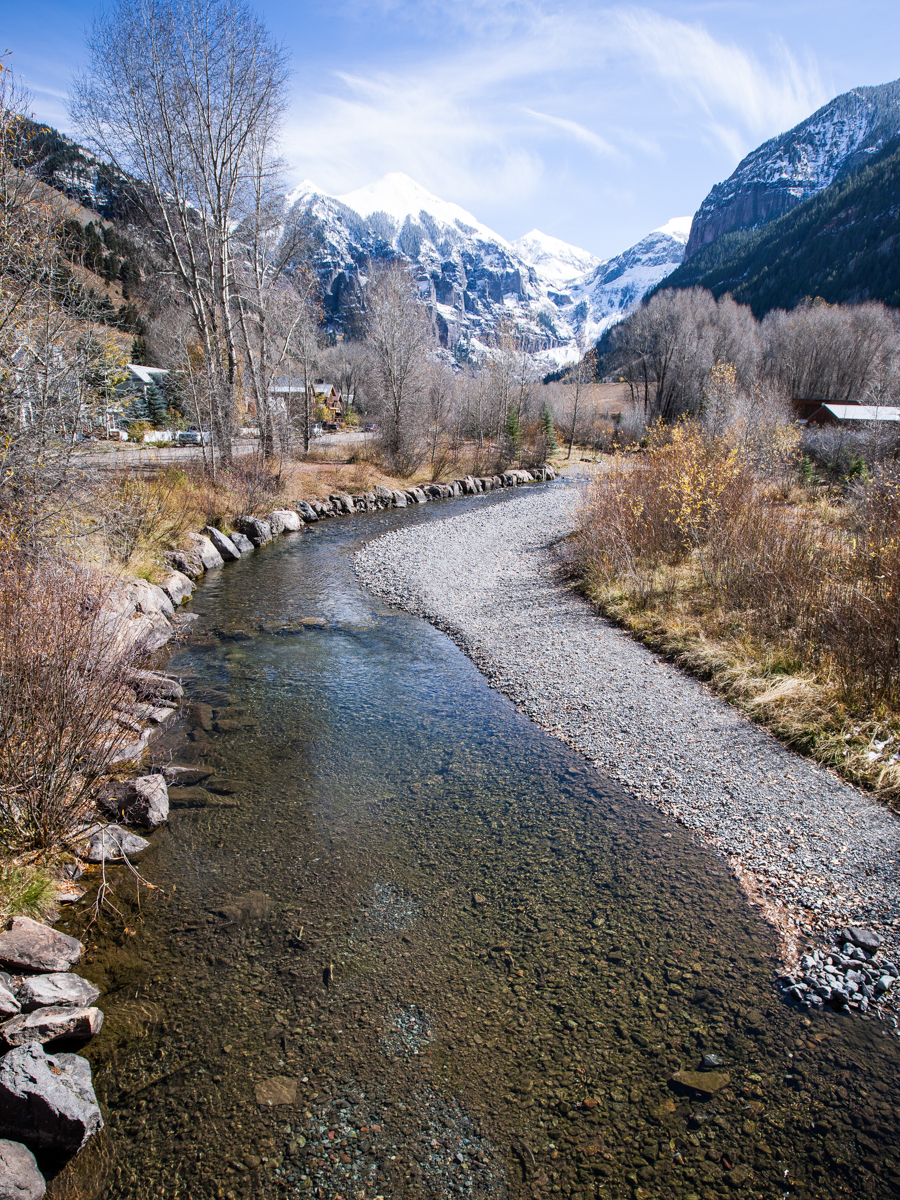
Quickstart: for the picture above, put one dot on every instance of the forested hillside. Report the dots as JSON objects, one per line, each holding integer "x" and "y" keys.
{"x": 840, "y": 244}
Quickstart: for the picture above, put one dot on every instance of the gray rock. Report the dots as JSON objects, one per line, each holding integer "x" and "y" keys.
{"x": 241, "y": 542}
{"x": 54, "y": 1024}
{"x": 47, "y": 1102}
{"x": 20, "y": 1178}
{"x": 259, "y": 532}
{"x": 30, "y": 946}
{"x": 9, "y": 1003}
{"x": 185, "y": 562}
{"x": 143, "y": 801}
{"x": 112, "y": 844}
{"x": 222, "y": 543}
{"x": 151, "y": 685}
{"x": 384, "y": 494}
{"x": 710, "y": 1061}
{"x": 290, "y": 520}
{"x": 177, "y": 587}
{"x": 399, "y": 499}
{"x": 203, "y": 547}
{"x": 275, "y": 523}
{"x": 60, "y": 988}
{"x": 864, "y": 938}
{"x": 884, "y": 984}
{"x": 306, "y": 512}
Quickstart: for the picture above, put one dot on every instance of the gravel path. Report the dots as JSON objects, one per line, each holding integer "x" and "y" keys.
{"x": 814, "y": 852}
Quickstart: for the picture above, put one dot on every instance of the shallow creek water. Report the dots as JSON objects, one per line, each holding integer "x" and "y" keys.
{"x": 414, "y": 947}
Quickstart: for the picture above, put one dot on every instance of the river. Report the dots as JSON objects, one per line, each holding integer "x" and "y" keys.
{"x": 412, "y": 946}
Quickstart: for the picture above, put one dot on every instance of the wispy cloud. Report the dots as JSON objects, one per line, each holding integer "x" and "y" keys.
{"x": 467, "y": 120}
{"x": 587, "y": 136}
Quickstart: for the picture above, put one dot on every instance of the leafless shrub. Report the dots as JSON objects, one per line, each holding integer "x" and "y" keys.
{"x": 63, "y": 679}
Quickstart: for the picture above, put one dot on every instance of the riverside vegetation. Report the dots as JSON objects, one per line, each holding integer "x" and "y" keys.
{"x": 731, "y": 557}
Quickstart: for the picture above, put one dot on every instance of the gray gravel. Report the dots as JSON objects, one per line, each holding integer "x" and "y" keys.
{"x": 814, "y": 852}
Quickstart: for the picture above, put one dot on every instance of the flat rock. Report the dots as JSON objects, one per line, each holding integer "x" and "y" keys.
{"x": 864, "y": 938}
{"x": 152, "y": 685}
{"x": 226, "y": 787}
{"x": 47, "y": 1101}
{"x": 186, "y": 776}
{"x": 59, "y": 989}
{"x": 188, "y": 797}
{"x": 20, "y": 1178}
{"x": 252, "y": 906}
{"x": 278, "y": 1090}
{"x": 705, "y": 1082}
{"x": 55, "y": 1024}
{"x": 225, "y": 546}
{"x": 112, "y": 844}
{"x": 30, "y": 946}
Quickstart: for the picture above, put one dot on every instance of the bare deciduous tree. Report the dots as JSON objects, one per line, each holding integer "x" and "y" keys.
{"x": 399, "y": 337}
{"x": 185, "y": 97}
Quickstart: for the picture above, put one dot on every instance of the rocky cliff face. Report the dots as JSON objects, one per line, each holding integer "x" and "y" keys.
{"x": 796, "y": 165}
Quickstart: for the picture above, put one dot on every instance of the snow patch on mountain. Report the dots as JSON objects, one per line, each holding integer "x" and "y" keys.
{"x": 402, "y": 198}
{"x": 555, "y": 261}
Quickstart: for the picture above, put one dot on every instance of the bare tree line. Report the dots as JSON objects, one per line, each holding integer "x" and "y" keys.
{"x": 669, "y": 350}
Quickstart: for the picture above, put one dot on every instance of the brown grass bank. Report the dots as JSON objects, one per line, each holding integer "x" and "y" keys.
{"x": 785, "y": 598}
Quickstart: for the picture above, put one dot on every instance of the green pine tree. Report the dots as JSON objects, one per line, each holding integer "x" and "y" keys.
{"x": 549, "y": 432}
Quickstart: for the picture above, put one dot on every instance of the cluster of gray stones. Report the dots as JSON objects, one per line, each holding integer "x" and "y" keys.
{"x": 47, "y": 1101}
{"x": 846, "y": 979}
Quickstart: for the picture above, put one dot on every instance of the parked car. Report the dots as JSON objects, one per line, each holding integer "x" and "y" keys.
{"x": 371, "y": 429}
{"x": 193, "y": 436}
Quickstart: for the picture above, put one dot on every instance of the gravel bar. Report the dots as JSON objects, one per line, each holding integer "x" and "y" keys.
{"x": 814, "y": 852}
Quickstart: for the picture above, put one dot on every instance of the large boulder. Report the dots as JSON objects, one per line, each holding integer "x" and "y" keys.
{"x": 203, "y": 547}
{"x": 241, "y": 542}
{"x": 307, "y": 512}
{"x": 290, "y": 520}
{"x": 152, "y": 685}
{"x": 60, "y": 988}
{"x": 47, "y": 1101}
{"x": 112, "y": 843}
{"x": 54, "y": 1024}
{"x": 225, "y": 546}
{"x": 275, "y": 523}
{"x": 30, "y": 946}
{"x": 177, "y": 587}
{"x": 20, "y": 1178}
{"x": 143, "y": 801}
{"x": 384, "y": 496}
{"x": 259, "y": 532}
{"x": 400, "y": 500}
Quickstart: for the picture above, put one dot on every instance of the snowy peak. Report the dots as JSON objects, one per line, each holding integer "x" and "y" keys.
{"x": 796, "y": 165}
{"x": 555, "y": 261}
{"x": 678, "y": 228}
{"x": 404, "y": 199}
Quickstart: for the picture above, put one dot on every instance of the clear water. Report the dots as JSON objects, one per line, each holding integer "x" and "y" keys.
{"x": 418, "y": 948}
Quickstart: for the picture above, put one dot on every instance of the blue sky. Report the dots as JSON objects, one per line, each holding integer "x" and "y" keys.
{"x": 594, "y": 122}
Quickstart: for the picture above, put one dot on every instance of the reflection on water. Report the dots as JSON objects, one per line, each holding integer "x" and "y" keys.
{"x": 405, "y": 944}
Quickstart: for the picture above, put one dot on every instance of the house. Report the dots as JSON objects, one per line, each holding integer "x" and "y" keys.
{"x": 287, "y": 391}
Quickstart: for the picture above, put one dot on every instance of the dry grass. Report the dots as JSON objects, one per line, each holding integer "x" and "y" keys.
{"x": 789, "y": 607}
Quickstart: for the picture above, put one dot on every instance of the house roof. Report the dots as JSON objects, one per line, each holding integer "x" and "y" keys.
{"x": 863, "y": 412}
{"x": 145, "y": 374}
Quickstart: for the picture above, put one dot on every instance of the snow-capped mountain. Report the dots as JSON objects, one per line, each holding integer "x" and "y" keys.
{"x": 796, "y": 165}
{"x": 556, "y": 262}
{"x": 555, "y": 295}
{"x": 615, "y": 287}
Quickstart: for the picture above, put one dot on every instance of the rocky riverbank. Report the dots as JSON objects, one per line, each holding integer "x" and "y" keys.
{"x": 48, "y": 1108}
{"x": 818, "y": 856}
